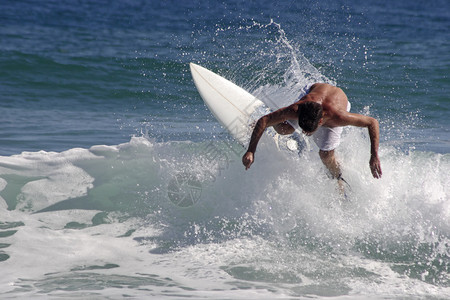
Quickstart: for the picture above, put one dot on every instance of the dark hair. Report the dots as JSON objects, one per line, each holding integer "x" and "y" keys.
{"x": 309, "y": 115}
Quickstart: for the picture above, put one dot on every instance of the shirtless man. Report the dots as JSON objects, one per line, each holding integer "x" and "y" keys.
{"x": 321, "y": 113}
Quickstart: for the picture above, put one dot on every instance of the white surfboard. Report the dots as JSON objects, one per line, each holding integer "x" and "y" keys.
{"x": 234, "y": 107}
{"x": 230, "y": 104}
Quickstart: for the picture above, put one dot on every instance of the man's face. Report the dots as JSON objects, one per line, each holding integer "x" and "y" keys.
{"x": 309, "y": 133}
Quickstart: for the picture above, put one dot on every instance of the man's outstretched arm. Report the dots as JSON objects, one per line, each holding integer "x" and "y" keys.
{"x": 268, "y": 120}
{"x": 374, "y": 134}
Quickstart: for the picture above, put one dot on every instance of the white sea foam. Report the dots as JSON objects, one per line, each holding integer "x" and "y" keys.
{"x": 276, "y": 230}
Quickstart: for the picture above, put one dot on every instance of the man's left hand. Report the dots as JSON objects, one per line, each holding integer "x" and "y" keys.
{"x": 375, "y": 166}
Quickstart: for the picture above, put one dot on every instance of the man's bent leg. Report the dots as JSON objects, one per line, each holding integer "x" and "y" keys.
{"x": 284, "y": 128}
{"x": 329, "y": 160}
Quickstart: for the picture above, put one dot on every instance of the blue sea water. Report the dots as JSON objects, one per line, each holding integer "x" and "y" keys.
{"x": 116, "y": 181}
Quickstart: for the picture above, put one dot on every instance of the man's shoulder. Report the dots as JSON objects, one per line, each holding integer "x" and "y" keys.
{"x": 322, "y": 84}
{"x": 322, "y": 89}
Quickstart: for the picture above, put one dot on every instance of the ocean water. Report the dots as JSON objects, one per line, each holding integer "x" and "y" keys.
{"x": 117, "y": 182}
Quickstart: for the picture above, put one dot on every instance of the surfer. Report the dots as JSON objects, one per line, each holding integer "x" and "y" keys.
{"x": 322, "y": 113}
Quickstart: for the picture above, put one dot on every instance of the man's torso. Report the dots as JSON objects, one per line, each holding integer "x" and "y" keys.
{"x": 333, "y": 101}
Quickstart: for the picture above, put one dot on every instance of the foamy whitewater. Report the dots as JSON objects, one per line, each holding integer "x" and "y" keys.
{"x": 100, "y": 221}
{"x": 117, "y": 182}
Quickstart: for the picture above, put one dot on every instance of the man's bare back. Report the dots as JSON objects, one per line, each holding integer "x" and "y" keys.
{"x": 333, "y": 100}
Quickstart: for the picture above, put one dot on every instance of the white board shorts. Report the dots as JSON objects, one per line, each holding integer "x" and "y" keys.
{"x": 328, "y": 138}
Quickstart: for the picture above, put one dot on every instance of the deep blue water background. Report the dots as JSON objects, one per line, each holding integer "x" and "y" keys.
{"x": 82, "y": 73}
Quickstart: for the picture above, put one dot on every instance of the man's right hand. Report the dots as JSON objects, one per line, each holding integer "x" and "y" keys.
{"x": 248, "y": 159}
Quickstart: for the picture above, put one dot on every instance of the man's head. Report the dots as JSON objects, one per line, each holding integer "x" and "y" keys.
{"x": 309, "y": 116}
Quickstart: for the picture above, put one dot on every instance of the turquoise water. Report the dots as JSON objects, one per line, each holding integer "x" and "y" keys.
{"x": 116, "y": 181}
